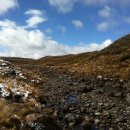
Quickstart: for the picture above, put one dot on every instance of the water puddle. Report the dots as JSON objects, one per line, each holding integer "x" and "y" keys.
{"x": 71, "y": 99}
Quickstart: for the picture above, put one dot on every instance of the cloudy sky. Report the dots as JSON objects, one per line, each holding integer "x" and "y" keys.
{"x": 37, "y": 28}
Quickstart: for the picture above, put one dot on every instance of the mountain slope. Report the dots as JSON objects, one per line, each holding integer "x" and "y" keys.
{"x": 120, "y": 46}
{"x": 114, "y": 60}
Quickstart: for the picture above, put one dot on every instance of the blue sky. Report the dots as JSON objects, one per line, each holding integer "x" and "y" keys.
{"x": 30, "y": 28}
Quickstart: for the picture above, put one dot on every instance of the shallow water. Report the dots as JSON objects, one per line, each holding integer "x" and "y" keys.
{"x": 71, "y": 99}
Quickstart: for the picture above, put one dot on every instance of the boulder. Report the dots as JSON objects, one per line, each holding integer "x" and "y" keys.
{"x": 38, "y": 121}
{"x": 69, "y": 117}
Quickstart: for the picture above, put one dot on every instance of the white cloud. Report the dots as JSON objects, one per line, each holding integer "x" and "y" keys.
{"x": 96, "y": 2}
{"x": 7, "y": 23}
{"x": 48, "y": 30}
{"x": 113, "y": 3}
{"x": 78, "y": 24}
{"x": 63, "y": 29}
{"x": 20, "y": 42}
{"x": 37, "y": 17}
{"x": 88, "y": 47}
{"x": 34, "y": 21}
{"x": 127, "y": 20}
{"x": 103, "y": 26}
{"x": 106, "y": 12}
{"x": 63, "y": 6}
{"x": 6, "y": 5}
{"x": 34, "y": 12}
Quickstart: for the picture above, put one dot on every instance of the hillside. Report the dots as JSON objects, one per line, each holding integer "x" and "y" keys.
{"x": 88, "y": 91}
{"x": 120, "y": 46}
{"x": 113, "y": 60}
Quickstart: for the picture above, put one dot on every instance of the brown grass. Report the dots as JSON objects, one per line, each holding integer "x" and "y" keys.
{"x": 113, "y": 60}
{"x": 9, "y": 110}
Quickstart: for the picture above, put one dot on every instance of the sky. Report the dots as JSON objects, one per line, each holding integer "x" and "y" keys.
{"x": 38, "y": 28}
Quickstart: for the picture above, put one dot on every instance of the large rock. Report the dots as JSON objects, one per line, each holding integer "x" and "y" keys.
{"x": 70, "y": 117}
{"x": 86, "y": 88}
{"x": 87, "y": 123}
{"x": 15, "y": 121}
{"x": 41, "y": 122}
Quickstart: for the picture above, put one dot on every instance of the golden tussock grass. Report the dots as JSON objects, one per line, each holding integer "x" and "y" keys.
{"x": 9, "y": 110}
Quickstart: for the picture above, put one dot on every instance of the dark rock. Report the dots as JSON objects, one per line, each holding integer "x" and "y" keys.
{"x": 120, "y": 119}
{"x": 18, "y": 97}
{"x": 86, "y": 125}
{"x": 71, "y": 99}
{"x": 42, "y": 100}
{"x": 69, "y": 117}
{"x": 111, "y": 94}
{"x": 119, "y": 95}
{"x": 86, "y": 88}
{"x": 15, "y": 122}
{"x": 96, "y": 121}
{"x": 9, "y": 96}
{"x": 128, "y": 98}
{"x": 13, "y": 73}
{"x": 41, "y": 122}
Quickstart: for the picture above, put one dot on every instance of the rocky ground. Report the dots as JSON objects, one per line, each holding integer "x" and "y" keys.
{"x": 44, "y": 98}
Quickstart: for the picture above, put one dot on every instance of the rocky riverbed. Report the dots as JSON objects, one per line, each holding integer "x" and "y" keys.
{"x": 44, "y": 98}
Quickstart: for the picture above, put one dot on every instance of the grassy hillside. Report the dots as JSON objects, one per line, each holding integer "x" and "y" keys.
{"x": 113, "y": 60}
